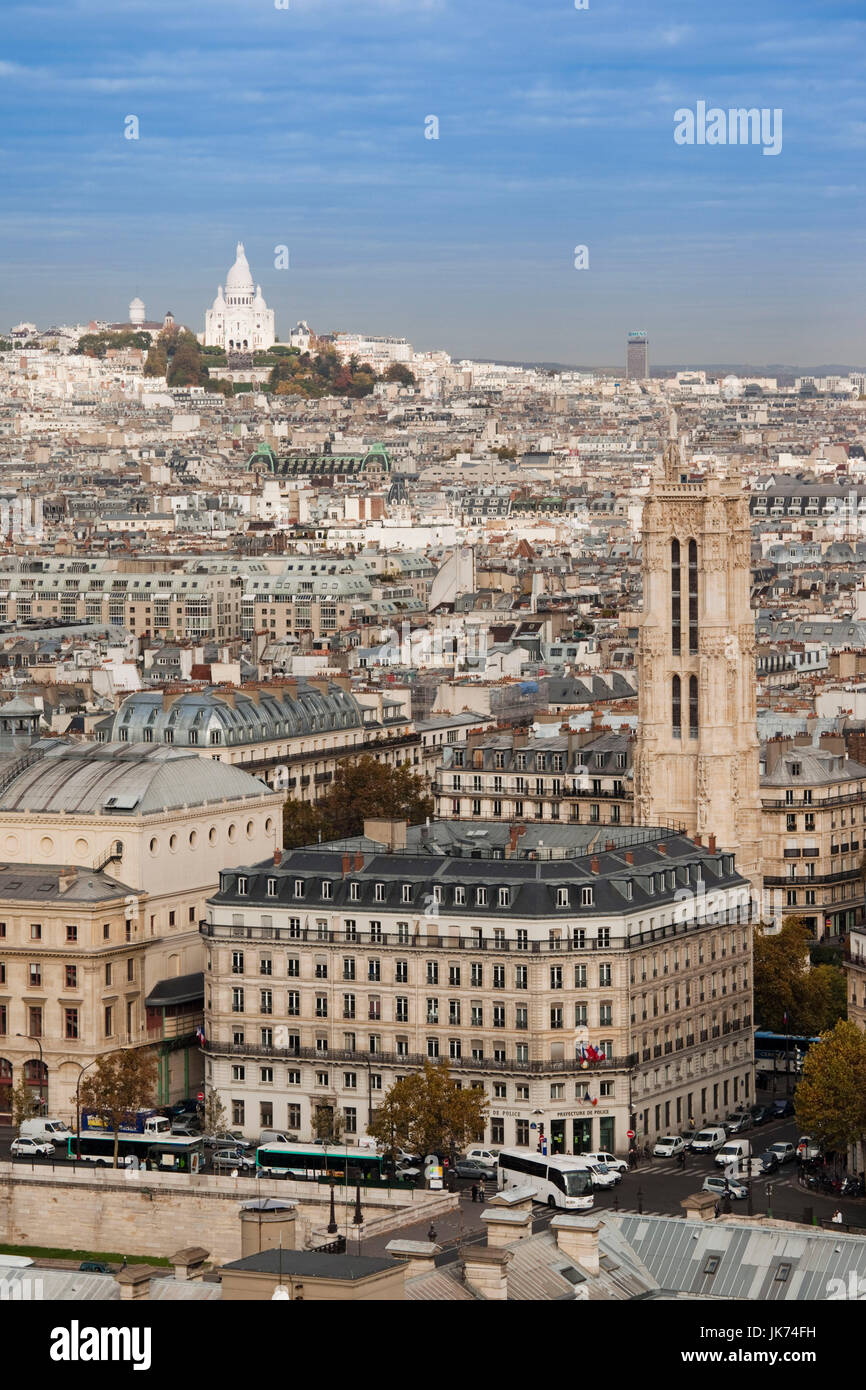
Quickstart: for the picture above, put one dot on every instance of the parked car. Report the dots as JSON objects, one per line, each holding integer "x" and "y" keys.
{"x": 669, "y": 1146}
{"x": 474, "y": 1168}
{"x": 226, "y": 1139}
{"x": 602, "y": 1176}
{"x": 406, "y": 1171}
{"x": 782, "y": 1107}
{"x": 609, "y": 1160}
{"x": 770, "y": 1161}
{"x": 185, "y": 1129}
{"x": 31, "y": 1148}
{"x": 761, "y": 1114}
{"x": 482, "y": 1155}
{"x": 189, "y": 1106}
{"x": 808, "y": 1148}
{"x": 786, "y": 1152}
{"x": 736, "y": 1123}
{"x": 736, "y": 1151}
{"x": 726, "y": 1187}
{"x": 226, "y": 1160}
{"x": 94, "y": 1267}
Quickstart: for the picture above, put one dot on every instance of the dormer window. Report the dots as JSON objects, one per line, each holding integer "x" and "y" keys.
{"x": 481, "y": 897}
{"x": 587, "y": 897}
{"x": 562, "y": 897}
{"x": 459, "y": 897}
{"x": 272, "y": 887}
{"x": 504, "y": 897}
{"x": 354, "y": 892}
{"x": 406, "y": 893}
{"x": 327, "y": 888}
{"x": 299, "y": 887}
{"x": 242, "y": 887}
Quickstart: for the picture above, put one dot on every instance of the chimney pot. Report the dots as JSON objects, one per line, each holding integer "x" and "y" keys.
{"x": 699, "y": 839}
{"x": 662, "y": 849}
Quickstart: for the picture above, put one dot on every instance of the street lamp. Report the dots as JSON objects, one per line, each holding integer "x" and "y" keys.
{"x": 34, "y": 1038}
{"x": 81, "y": 1072}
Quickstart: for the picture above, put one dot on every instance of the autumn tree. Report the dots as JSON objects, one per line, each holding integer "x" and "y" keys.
{"x": 302, "y": 823}
{"x": 185, "y": 367}
{"x": 366, "y": 789}
{"x": 328, "y": 1124}
{"x": 427, "y": 1112}
{"x": 24, "y": 1103}
{"x": 787, "y": 984}
{"x": 830, "y": 1100}
{"x": 215, "y": 1118}
{"x": 398, "y": 371}
{"x": 121, "y": 1084}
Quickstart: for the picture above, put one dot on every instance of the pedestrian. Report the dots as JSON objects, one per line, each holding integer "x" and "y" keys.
{"x": 837, "y": 1218}
{"x": 475, "y": 1192}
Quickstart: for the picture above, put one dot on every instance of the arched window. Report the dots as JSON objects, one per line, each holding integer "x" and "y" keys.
{"x": 677, "y": 708}
{"x": 693, "y": 597}
{"x": 693, "y": 706}
{"x": 676, "y": 605}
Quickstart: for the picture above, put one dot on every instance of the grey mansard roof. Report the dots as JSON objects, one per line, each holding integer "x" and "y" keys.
{"x": 660, "y": 863}
{"x": 237, "y": 716}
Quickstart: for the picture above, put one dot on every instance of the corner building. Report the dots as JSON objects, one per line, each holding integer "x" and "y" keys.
{"x": 344, "y": 966}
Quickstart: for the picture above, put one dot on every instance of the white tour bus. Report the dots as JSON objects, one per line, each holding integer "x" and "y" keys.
{"x": 559, "y": 1181}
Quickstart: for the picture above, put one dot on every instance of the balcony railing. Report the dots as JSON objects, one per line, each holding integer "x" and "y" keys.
{"x": 418, "y": 1059}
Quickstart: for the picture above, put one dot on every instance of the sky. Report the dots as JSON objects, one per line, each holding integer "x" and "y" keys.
{"x": 306, "y": 127}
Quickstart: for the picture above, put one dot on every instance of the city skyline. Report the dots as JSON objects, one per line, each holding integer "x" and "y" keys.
{"x": 288, "y": 128}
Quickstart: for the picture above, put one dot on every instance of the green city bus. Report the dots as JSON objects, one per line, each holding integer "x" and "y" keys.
{"x": 153, "y": 1151}
{"x": 311, "y": 1161}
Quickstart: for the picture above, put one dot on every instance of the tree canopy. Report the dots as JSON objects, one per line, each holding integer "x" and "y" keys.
{"x": 427, "y": 1112}
{"x": 120, "y": 1084}
{"x": 786, "y": 983}
{"x": 97, "y": 344}
{"x": 362, "y": 788}
{"x": 830, "y": 1100}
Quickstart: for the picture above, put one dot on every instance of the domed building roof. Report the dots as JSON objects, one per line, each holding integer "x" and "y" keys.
{"x": 136, "y": 303}
{"x": 240, "y": 277}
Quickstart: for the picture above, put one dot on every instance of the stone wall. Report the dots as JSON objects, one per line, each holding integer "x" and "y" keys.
{"x": 158, "y": 1213}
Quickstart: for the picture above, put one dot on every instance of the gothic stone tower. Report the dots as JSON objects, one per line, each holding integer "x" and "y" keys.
{"x": 697, "y": 752}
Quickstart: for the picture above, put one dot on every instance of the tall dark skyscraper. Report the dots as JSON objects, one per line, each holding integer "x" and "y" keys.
{"x": 637, "y": 361}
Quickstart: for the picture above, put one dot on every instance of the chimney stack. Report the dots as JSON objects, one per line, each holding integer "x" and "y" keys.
{"x": 629, "y": 856}
{"x": 593, "y": 864}
{"x": 347, "y": 864}
{"x": 577, "y": 1239}
{"x": 486, "y": 1271}
{"x": 359, "y": 863}
{"x": 712, "y": 844}
{"x": 662, "y": 849}
{"x": 278, "y": 857}
{"x": 189, "y": 1263}
{"x": 699, "y": 839}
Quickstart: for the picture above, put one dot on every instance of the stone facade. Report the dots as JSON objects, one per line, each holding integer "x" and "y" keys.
{"x": 697, "y": 757}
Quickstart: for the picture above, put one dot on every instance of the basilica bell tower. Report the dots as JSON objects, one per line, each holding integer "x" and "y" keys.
{"x": 697, "y": 753}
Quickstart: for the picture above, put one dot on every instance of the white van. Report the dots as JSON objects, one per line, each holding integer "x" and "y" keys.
{"x": 706, "y": 1141}
{"x": 45, "y": 1131}
{"x": 737, "y": 1151}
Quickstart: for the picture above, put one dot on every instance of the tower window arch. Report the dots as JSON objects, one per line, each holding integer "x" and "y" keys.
{"x": 693, "y": 597}
{"x": 693, "y": 706}
{"x": 677, "y": 707}
{"x": 676, "y": 599}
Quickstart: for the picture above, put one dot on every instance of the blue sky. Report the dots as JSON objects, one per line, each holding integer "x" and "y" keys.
{"x": 305, "y": 127}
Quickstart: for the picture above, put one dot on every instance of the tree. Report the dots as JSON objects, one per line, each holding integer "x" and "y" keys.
{"x": 121, "y": 1084}
{"x": 830, "y": 1100}
{"x": 428, "y": 1113}
{"x": 398, "y": 371}
{"x": 215, "y": 1118}
{"x": 23, "y": 1103}
{"x": 363, "y": 788}
{"x": 156, "y": 362}
{"x": 328, "y": 1124}
{"x": 781, "y": 961}
{"x": 813, "y": 997}
{"x": 302, "y": 823}
{"x": 185, "y": 368}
